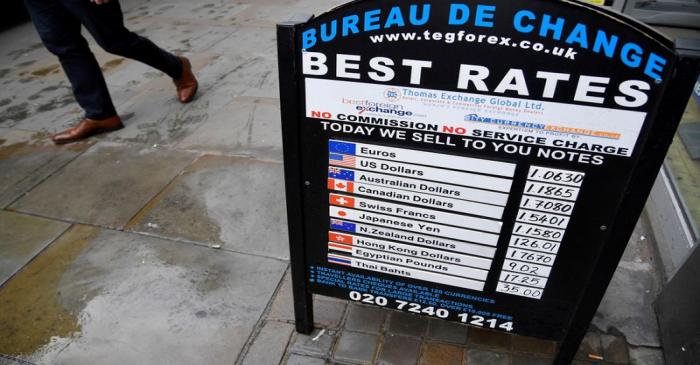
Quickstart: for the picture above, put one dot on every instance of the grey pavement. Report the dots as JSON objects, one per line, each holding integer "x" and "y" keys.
{"x": 166, "y": 242}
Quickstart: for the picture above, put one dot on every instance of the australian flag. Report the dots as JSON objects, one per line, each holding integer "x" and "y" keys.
{"x": 343, "y": 148}
{"x": 341, "y": 225}
{"x": 341, "y": 174}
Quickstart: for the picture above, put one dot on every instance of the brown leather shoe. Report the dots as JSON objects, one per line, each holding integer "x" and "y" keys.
{"x": 86, "y": 128}
{"x": 187, "y": 84}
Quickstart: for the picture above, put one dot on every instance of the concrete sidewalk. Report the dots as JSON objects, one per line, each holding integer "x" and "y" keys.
{"x": 165, "y": 242}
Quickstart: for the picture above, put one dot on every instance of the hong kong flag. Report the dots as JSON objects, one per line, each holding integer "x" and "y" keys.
{"x": 341, "y": 185}
{"x": 340, "y": 238}
{"x": 343, "y": 201}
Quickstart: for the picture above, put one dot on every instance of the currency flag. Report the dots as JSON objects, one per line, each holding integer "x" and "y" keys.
{"x": 341, "y": 225}
{"x": 341, "y": 160}
{"x": 339, "y": 259}
{"x": 340, "y": 238}
{"x": 341, "y": 174}
{"x": 338, "y": 247}
{"x": 343, "y": 148}
{"x": 344, "y": 201}
{"x": 341, "y": 185}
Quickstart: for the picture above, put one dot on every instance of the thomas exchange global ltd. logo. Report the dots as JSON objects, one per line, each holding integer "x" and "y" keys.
{"x": 392, "y": 94}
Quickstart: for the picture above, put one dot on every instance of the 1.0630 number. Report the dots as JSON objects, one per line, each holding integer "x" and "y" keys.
{"x": 471, "y": 319}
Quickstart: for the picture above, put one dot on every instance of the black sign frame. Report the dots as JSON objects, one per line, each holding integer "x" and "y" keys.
{"x": 665, "y": 122}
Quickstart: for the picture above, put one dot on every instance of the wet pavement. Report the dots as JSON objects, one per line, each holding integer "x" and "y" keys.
{"x": 166, "y": 242}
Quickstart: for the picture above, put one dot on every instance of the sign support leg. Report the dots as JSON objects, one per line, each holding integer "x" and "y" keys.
{"x": 290, "y": 101}
{"x": 668, "y": 118}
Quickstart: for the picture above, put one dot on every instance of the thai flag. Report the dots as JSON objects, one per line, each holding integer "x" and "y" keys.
{"x": 341, "y": 160}
{"x": 338, "y": 247}
{"x": 341, "y": 174}
{"x": 339, "y": 259}
{"x": 340, "y": 238}
{"x": 341, "y": 185}
{"x": 343, "y": 148}
{"x": 341, "y": 225}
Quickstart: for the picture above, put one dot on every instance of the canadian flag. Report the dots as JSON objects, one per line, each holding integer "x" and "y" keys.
{"x": 342, "y": 200}
{"x": 341, "y": 185}
{"x": 340, "y": 238}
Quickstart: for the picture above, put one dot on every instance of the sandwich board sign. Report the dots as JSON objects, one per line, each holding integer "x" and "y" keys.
{"x": 481, "y": 162}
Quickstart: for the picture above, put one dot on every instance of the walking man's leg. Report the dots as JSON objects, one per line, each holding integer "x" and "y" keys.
{"x": 106, "y": 24}
{"x": 59, "y": 30}
{"x": 59, "y": 24}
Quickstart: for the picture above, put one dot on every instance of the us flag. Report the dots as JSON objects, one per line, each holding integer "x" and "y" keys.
{"x": 341, "y": 160}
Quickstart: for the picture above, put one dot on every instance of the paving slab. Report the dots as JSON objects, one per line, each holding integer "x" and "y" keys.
{"x": 627, "y": 307}
{"x": 282, "y": 308}
{"x": 40, "y": 103}
{"x": 434, "y": 353}
{"x": 447, "y": 331}
{"x": 270, "y": 344}
{"x": 178, "y": 36}
{"x": 22, "y": 238}
{"x": 27, "y": 158}
{"x": 211, "y": 10}
{"x": 246, "y": 126}
{"x": 356, "y": 347}
{"x": 237, "y": 203}
{"x": 106, "y": 297}
{"x": 522, "y": 359}
{"x": 533, "y": 345}
{"x": 255, "y": 76}
{"x": 254, "y": 39}
{"x": 485, "y": 357}
{"x": 151, "y": 112}
{"x": 106, "y": 186}
{"x": 41, "y": 98}
{"x": 268, "y": 13}
{"x": 399, "y": 350}
{"x": 363, "y": 318}
{"x": 294, "y": 359}
{"x": 318, "y": 343}
{"x": 401, "y": 323}
{"x": 20, "y": 44}
{"x": 590, "y": 345}
{"x": 328, "y": 312}
{"x": 483, "y": 337}
{"x": 646, "y": 356}
{"x": 614, "y": 349}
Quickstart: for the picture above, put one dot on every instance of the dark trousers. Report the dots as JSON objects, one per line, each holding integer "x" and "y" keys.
{"x": 59, "y": 24}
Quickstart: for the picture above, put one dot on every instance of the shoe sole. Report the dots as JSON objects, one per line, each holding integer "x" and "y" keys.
{"x": 94, "y": 133}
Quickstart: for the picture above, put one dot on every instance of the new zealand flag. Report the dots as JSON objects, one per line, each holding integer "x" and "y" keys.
{"x": 341, "y": 225}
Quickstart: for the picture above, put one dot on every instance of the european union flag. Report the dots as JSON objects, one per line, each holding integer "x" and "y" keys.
{"x": 340, "y": 225}
{"x": 341, "y": 147}
{"x": 341, "y": 174}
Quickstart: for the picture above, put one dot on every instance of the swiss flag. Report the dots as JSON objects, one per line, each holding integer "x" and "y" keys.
{"x": 341, "y": 185}
{"x": 342, "y": 200}
{"x": 340, "y": 238}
